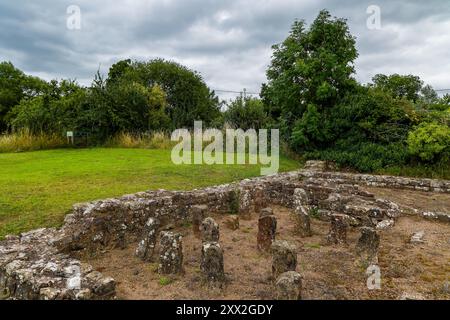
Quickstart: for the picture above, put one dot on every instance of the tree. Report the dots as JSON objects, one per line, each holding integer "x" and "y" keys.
{"x": 399, "y": 86}
{"x": 118, "y": 70}
{"x": 55, "y": 110}
{"x": 310, "y": 71}
{"x": 188, "y": 97}
{"x": 157, "y": 118}
{"x": 428, "y": 95}
{"x": 15, "y": 86}
{"x": 246, "y": 113}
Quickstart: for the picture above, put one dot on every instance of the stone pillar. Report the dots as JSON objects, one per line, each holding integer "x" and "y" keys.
{"x": 146, "y": 246}
{"x": 244, "y": 204}
{"x": 210, "y": 230}
{"x": 266, "y": 212}
{"x": 198, "y": 213}
{"x": 338, "y": 229}
{"x": 259, "y": 202}
{"x": 284, "y": 257}
{"x": 171, "y": 253}
{"x": 267, "y": 226}
{"x": 367, "y": 246}
{"x": 212, "y": 262}
{"x": 301, "y": 211}
{"x": 288, "y": 286}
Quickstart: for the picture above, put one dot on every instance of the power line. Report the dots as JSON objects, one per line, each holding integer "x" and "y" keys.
{"x": 238, "y": 92}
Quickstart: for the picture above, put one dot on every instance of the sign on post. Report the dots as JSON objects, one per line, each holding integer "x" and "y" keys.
{"x": 70, "y": 137}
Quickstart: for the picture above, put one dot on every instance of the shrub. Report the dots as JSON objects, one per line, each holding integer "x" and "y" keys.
{"x": 365, "y": 157}
{"x": 429, "y": 141}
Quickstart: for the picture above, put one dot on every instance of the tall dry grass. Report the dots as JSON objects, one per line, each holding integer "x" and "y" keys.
{"x": 156, "y": 140}
{"x": 25, "y": 141}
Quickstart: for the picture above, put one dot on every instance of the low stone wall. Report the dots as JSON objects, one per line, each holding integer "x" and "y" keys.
{"x": 432, "y": 185}
{"x": 45, "y": 263}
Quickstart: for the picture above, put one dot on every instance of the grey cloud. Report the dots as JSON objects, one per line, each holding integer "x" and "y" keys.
{"x": 227, "y": 41}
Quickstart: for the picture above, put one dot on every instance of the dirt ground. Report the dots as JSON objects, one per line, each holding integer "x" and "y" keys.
{"x": 329, "y": 272}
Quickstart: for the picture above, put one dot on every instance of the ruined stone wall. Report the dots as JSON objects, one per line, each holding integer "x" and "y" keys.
{"x": 382, "y": 181}
{"x": 114, "y": 222}
{"x": 44, "y": 263}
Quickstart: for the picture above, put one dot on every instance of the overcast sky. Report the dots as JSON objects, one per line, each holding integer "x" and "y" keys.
{"x": 228, "y": 42}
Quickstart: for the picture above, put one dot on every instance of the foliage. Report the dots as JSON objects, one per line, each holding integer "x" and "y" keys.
{"x": 52, "y": 111}
{"x": 311, "y": 70}
{"x": 323, "y": 113}
{"x": 158, "y": 117}
{"x": 430, "y": 141}
{"x": 399, "y": 86}
{"x": 369, "y": 129}
{"x": 15, "y": 86}
{"x": 188, "y": 97}
{"x": 246, "y": 113}
{"x": 136, "y": 97}
{"x": 164, "y": 281}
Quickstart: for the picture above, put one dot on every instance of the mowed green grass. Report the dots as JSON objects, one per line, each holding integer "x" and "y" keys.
{"x": 38, "y": 188}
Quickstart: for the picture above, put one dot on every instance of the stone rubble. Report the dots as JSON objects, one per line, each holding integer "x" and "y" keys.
{"x": 385, "y": 224}
{"x": 438, "y": 216}
{"x": 31, "y": 268}
{"x": 417, "y": 237}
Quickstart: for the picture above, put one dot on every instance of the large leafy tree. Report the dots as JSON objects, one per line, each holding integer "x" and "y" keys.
{"x": 246, "y": 113}
{"x": 187, "y": 96}
{"x": 400, "y": 86}
{"x": 15, "y": 86}
{"x": 54, "y": 110}
{"x": 310, "y": 72}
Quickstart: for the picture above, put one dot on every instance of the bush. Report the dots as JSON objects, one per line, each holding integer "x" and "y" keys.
{"x": 365, "y": 157}
{"x": 430, "y": 142}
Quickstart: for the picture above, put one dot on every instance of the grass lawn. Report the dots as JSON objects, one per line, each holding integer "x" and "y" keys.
{"x": 38, "y": 188}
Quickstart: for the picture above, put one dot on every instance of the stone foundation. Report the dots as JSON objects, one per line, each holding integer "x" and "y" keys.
{"x": 45, "y": 263}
